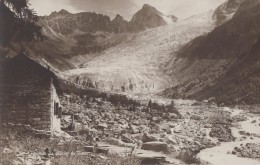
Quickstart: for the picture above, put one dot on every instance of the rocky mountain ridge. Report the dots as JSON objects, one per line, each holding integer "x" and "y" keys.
{"x": 74, "y": 37}
{"x": 66, "y": 23}
{"x": 226, "y": 11}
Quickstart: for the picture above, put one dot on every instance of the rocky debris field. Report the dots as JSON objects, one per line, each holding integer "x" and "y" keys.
{"x": 170, "y": 132}
{"x": 171, "y": 128}
{"x": 250, "y": 150}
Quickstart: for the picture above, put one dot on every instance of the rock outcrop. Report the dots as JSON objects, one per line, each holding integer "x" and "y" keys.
{"x": 156, "y": 146}
{"x": 146, "y": 18}
{"x": 226, "y": 11}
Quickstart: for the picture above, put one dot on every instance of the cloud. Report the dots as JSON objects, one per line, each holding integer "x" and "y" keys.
{"x": 45, "y": 7}
{"x": 182, "y": 8}
{"x": 126, "y": 8}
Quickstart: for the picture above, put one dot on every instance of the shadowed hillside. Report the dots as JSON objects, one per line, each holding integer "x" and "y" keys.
{"x": 224, "y": 64}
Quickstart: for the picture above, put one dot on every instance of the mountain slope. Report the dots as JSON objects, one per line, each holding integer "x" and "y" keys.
{"x": 225, "y": 64}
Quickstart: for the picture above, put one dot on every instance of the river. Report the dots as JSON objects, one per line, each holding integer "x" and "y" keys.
{"x": 221, "y": 155}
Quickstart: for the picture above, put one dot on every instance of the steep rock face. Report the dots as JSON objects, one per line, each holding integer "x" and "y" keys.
{"x": 226, "y": 11}
{"x": 225, "y": 63}
{"x": 119, "y": 25}
{"x": 73, "y": 37}
{"x": 65, "y": 23}
{"x": 147, "y": 17}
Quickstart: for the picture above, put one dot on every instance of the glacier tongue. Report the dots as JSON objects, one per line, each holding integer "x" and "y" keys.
{"x": 138, "y": 66}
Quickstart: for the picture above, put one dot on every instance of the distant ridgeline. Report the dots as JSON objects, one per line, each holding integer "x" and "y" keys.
{"x": 65, "y": 23}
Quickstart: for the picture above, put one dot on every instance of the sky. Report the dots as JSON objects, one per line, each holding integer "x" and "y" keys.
{"x": 126, "y": 8}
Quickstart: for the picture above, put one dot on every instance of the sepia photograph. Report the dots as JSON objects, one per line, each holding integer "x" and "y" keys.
{"x": 129, "y": 82}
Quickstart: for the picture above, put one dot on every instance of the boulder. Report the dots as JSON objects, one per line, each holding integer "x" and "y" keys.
{"x": 148, "y": 138}
{"x": 111, "y": 122}
{"x": 102, "y": 126}
{"x": 133, "y": 129}
{"x": 156, "y": 128}
{"x": 156, "y": 146}
{"x": 177, "y": 129}
{"x": 136, "y": 122}
{"x": 167, "y": 129}
{"x": 173, "y": 116}
{"x": 156, "y": 119}
{"x": 208, "y": 126}
{"x": 126, "y": 138}
{"x": 169, "y": 140}
{"x": 143, "y": 128}
{"x": 195, "y": 117}
{"x": 166, "y": 116}
{"x": 203, "y": 132}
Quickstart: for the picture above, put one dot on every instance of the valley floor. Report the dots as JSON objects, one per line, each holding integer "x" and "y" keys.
{"x": 188, "y": 132}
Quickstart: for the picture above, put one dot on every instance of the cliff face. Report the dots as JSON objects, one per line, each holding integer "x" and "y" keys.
{"x": 65, "y": 23}
{"x": 226, "y": 11}
{"x": 147, "y": 17}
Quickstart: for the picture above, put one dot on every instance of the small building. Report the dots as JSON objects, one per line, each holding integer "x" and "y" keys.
{"x": 29, "y": 94}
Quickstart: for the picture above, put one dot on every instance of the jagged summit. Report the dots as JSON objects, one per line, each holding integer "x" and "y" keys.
{"x": 149, "y": 7}
{"x": 118, "y": 18}
{"x": 147, "y": 10}
{"x": 147, "y": 17}
{"x": 62, "y": 12}
{"x": 64, "y": 22}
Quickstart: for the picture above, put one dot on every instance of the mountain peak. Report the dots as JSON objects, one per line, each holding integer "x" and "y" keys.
{"x": 147, "y": 6}
{"x": 118, "y": 18}
{"x": 62, "y": 12}
{"x": 147, "y": 17}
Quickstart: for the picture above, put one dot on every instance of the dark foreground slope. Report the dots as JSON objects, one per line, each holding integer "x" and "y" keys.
{"x": 225, "y": 64}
